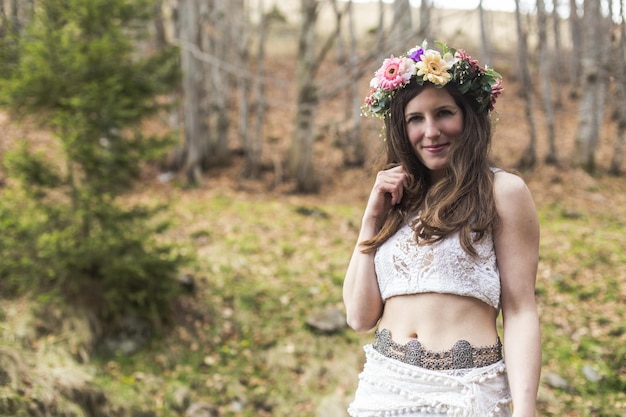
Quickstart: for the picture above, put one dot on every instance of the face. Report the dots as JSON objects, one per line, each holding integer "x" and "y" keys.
{"x": 433, "y": 123}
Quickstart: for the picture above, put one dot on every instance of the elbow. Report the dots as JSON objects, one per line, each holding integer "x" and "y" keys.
{"x": 363, "y": 313}
{"x": 361, "y": 324}
{"x": 360, "y": 327}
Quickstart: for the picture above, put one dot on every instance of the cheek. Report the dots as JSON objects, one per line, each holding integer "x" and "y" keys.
{"x": 454, "y": 128}
{"x": 414, "y": 133}
{"x": 459, "y": 126}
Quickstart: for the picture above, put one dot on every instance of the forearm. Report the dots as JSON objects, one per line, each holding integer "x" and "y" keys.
{"x": 522, "y": 349}
{"x": 361, "y": 294}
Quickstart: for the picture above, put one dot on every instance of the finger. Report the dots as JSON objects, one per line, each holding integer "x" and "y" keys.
{"x": 398, "y": 168}
{"x": 396, "y": 195}
{"x": 392, "y": 181}
{"x": 394, "y": 187}
{"x": 386, "y": 176}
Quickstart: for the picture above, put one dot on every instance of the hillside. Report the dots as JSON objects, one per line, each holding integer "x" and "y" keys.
{"x": 267, "y": 260}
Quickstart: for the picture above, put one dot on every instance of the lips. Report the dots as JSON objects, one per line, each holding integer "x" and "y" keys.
{"x": 436, "y": 148}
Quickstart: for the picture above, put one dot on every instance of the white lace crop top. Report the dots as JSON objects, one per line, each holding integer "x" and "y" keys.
{"x": 403, "y": 267}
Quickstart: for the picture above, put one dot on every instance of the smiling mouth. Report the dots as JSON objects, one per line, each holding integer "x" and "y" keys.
{"x": 435, "y": 147}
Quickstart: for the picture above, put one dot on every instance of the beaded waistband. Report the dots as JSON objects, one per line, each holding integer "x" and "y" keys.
{"x": 462, "y": 355}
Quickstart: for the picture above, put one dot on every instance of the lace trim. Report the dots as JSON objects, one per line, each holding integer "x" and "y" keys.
{"x": 392, "y": 388}
{"x": 404, "y": 267}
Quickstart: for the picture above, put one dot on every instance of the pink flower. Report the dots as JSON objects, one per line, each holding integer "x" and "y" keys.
{"x": 395, "y": 72}
{"x": 463, "y": 56}
{"x": 496, "y": 90}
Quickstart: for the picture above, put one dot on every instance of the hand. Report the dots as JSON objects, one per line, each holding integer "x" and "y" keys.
{"x": 387, "y": 191}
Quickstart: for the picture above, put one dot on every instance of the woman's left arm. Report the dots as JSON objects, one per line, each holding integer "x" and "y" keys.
{"x": 516, "y": 240}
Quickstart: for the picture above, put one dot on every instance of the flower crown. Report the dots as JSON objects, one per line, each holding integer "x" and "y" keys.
{"x": 483, "y": 84}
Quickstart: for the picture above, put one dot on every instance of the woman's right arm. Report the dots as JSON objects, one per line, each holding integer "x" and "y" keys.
{"x": 361, "y": 294}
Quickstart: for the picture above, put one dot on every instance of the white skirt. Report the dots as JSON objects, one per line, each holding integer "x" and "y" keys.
{"x": 388, "y": 387}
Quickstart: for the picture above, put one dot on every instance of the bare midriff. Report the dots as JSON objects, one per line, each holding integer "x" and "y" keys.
{"x": 439, "y": 320}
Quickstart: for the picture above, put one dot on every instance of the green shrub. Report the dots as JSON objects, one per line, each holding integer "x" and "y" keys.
{"x": 76, "y": 71}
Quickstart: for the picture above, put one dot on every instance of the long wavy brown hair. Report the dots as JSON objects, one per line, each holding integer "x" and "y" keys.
{"x": 463, "y": 201}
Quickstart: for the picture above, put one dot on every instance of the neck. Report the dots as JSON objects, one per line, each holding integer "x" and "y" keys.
{"x": 437, "y": 175}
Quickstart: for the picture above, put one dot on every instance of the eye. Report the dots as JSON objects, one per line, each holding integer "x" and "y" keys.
{"x": 415, "y": 118}
{"x": 445, "y": 113}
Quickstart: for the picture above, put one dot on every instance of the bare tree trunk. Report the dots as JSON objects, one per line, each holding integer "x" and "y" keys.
{"x": 529, "y": 157}
{"x": 402, "y": 22}
{"x": 545, "y": 77}
{"x": 15, "y": 16}
{"x": 380, "y": 31}
{"x": 219, "y": 43}
{"x": 239, "y": 35}
{"x": 485, "y": 47}
{"x": 243, "y": 84}
{"x": 194, "y": 103}
{"x": 206, "y": 38}
{"x": 4, "y": 21}
{"x": 254, "y": 143}
{"x": 301, "y": 152}
{"x": 353, "y": 149}
{"x": 577, "y": 45}
{"x": 593, "y": 85}
{"x": 617, "y": 159}
{"x": 356, "y": 143}
{"x": 559, "y": 62}
{"x": 425, "y": 17}
{"x": 309, "y": 61}
{"x": 160, "y": 38}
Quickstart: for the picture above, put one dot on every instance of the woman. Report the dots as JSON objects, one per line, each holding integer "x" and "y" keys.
{"x": 446, "y": 243}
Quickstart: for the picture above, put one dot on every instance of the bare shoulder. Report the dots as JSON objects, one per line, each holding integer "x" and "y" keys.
{"x": 510, "y": 190}
{"x": 514, "y": 201}
{"x": 507, "y": 184}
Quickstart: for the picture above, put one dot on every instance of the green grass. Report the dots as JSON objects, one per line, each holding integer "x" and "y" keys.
{"x": 266, "y": 265}
{"x": 241, "y": 343}
{"x": 581, "y": 293}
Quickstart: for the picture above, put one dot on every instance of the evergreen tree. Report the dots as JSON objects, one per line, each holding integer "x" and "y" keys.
{"x": 77, "y": 70}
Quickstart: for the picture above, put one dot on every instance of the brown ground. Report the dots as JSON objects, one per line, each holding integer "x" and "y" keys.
{"x": 570, "y": 187}
{"x": 561, "y": 184}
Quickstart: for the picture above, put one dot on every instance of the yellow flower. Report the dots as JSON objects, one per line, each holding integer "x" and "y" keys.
{"x": 433, "y": 68}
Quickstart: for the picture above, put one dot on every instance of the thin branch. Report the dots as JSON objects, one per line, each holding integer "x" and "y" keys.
{"x": 227, "y": 67}
{"x": 330, "y": 41}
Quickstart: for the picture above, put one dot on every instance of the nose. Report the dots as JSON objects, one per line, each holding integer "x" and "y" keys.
{"x": 431, "y": 129}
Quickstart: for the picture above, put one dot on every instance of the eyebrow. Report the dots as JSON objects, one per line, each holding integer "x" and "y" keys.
{"x": 444, "y": 107}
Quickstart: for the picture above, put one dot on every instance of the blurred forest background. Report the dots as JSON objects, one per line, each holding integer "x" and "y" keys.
{"x": 181, "y": 184}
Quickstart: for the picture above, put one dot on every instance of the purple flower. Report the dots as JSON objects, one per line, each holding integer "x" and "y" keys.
{"x": 416, "y": 54}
